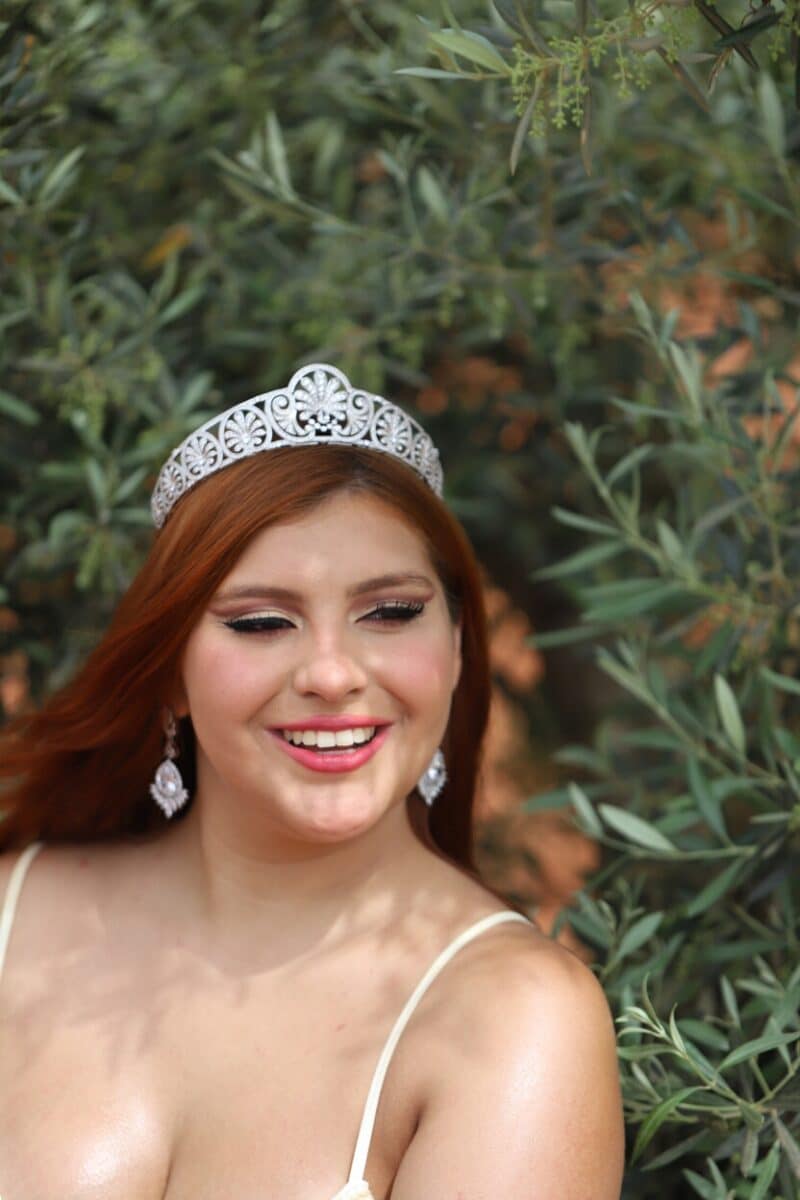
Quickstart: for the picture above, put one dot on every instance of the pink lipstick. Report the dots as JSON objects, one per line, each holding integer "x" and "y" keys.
{"x": 332, "y": 761}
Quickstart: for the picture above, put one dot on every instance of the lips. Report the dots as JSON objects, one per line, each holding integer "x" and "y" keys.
{"x": 332, "y": 761}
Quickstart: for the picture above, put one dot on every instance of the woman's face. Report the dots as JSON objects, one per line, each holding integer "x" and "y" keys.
{"x": 336, "y": 619}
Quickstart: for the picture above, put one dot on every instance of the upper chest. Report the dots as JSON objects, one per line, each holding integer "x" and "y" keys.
{"x": 157, "y": 1077}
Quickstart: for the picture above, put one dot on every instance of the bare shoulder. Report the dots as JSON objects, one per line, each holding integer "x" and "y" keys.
{"x": 61, "y": 896}
{"x": 527, "y": 1100}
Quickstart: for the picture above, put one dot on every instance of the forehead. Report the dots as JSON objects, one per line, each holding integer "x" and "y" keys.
{"x": 348, "y": 535}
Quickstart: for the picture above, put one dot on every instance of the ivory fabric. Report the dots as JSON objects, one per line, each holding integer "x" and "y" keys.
{"x": 356, "y": 1187}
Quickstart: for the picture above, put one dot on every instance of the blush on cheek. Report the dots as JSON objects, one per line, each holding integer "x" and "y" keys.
{"x": 427, "y": 673}
{"x": 231, "y": 682}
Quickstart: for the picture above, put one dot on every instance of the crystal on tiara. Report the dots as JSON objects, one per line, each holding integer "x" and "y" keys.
{"x": 319, "y": 407}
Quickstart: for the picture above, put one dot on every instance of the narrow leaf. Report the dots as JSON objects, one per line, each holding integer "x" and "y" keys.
{"x": 636, "y": 829}
{"x": 769, "y": 103}
{"x": 277, "y": 153}
{"x": 18, "y": 409}
{"x": 706, "y": 800}
{"x": 766, "y": 1173}
{"x": 430, "y": 73}
{"x": 789, "y": 1146}
{"x": 640, "y": 932}
{"x": 729, "y": 713}
{"x": 473, "y": 47}
{"x": 584, "y": 810}
{"x": 59, "y": 173}
{"x": 755, "y": 1047}
{"x": 524, "y": 124}
{"x": 433, "y": 196}
{"x": 588, "y": 524}
{"x": 713, "y": 890}
{"x": 783, "y": 682}
{"x": 657, "y": 1117}
{"x": 580, "y": 561}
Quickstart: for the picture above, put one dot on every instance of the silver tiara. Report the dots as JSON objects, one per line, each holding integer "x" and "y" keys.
{"x": 318, "y": 407}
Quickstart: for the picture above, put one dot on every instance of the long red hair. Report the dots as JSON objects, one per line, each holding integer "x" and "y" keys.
{"x": 78, "y": 769}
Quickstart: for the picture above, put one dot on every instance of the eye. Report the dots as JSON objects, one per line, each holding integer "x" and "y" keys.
{"x": 396, "y": 610}
{"x": 264, "y": 624}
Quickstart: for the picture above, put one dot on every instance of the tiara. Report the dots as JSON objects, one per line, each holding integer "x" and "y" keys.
{"x": 318, "y": 407}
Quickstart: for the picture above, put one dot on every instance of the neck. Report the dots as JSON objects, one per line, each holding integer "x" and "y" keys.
{"x": 244, "y": 889}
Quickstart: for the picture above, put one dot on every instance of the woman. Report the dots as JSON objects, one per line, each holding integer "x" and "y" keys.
{"x": 214, "y": 958}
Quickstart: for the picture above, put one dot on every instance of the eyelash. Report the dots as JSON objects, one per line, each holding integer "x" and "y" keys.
{"x": 404, "y": 611}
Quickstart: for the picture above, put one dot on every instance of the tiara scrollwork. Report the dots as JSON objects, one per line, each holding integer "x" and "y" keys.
{"x": 318, "y": 407}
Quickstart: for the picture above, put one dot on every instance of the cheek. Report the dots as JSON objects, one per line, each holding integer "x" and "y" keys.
{"x": 423, "y": 671}
{"x": 223, "y": 677}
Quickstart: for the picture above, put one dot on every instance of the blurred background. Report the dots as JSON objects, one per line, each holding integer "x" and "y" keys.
{"x": 565, "y": 235}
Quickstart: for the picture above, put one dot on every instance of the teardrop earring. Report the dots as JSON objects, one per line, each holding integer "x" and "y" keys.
{"x": 167, "y": 788}
{"x": 434, "y": 779}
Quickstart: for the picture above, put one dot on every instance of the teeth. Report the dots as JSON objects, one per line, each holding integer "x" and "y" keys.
{"x": 327, "y": 739}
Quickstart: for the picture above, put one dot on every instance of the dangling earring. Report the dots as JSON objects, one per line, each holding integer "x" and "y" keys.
{"x": 433, "y": 780}
{"x": 167, "y": 788}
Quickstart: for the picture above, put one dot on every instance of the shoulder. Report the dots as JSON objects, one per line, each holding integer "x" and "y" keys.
{"x": 527, "y": 1099}
{"x": 524, "y": 989}
{"x": 63, "y": 892}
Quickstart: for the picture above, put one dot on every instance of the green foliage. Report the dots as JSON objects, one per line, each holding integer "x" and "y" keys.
{"x": 698, "y": 927}
{"x": 557, "y": 56}
{"x": 196, "y": 197}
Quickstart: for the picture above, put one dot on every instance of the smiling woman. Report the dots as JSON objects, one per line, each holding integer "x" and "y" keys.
{"x": 232, "y": 942}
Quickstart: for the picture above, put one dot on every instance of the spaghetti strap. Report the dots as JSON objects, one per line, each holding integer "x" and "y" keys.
{"x": 15, "y": 882}
{"x": 373, "y": 1096}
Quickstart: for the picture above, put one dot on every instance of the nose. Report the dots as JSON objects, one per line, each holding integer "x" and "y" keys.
{"x": 330, "y": 671}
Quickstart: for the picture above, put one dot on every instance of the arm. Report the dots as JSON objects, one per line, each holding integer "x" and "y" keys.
{"x": 539, "y": 1117}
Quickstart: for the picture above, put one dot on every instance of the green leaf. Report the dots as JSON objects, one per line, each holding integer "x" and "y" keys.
{"x": 670, "y": 543}
{"x": 755, "y": 1047}
{"x": 789, "y": 1146}
{"x": 561, "y": 637}
{"x": 59, "y": 173}
{"x": 625, "y": 465}
{"x": 636, "y": 829}
{"x": 767, "y": 1171}
{"x": 473, "y": 47}
{"x": 689, "y": 369}
{"x": 587, "y": 524}
{"x": 181, "y": 304}
{"x": 278, "y": 158}
{"x": 580, "y": 561}
{"x": 707, "y": 802}
{"x": 584, "y": 810}
{"x": 730, "y": 1002}
{"x": 704, "y": 1033}
{"x": 648, "y": 598}
{"x": 729, "y": 713}
{"x": 640, "y": 932}
{"x": 18, "y": 409}
{"x": 714, "y": 889}
{"x": 771, "y": 110}
{"x": 783, "y": 682}
{"x": 429, "y": 73}
{"x": 8, "y": 193}
{"x": 433, "y": 196}
{"x": 651, "y": 1125}
{"x": 524, "y": 124}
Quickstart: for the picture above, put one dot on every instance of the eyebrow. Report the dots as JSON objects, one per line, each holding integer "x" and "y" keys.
{"x": 254, "y": 591}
